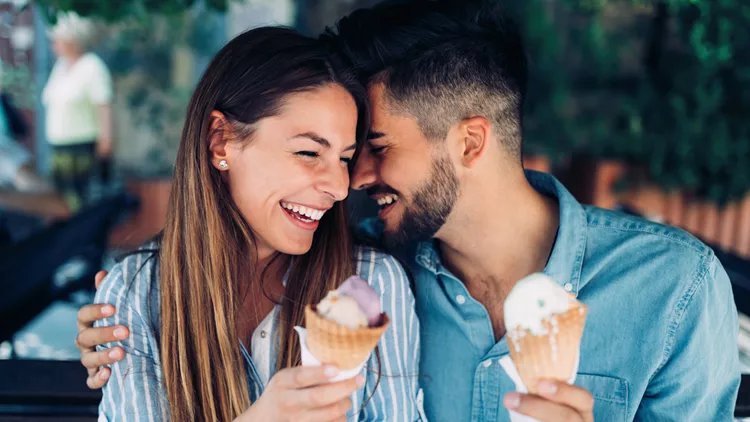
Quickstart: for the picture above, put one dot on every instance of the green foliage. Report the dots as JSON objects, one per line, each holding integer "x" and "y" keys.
{"x": 117, "y": 10}
{"x": 18, "y": 82}
{"x": 661, "y": 85}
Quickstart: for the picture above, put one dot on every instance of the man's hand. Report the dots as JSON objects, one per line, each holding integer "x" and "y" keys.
{"x": 557, "y": 401}
{"x": 89, "y": 337}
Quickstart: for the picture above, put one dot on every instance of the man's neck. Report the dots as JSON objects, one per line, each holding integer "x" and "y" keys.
{"x": 503, "y": 233}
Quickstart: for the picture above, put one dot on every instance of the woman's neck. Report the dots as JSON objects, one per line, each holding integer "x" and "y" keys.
{"x": 71, "y": 59}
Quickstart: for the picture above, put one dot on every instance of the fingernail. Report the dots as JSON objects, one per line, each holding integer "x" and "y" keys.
{"x": 360, "y": 381}
{"x": 114, "y": 354}
{"x": 103, "y": 375}
{"x": 331, "y": 371}
{"x": 512, "y": 400}
{"x": 120, "y": 332}
{"x": 108, "y": 310}
{"x": 547, "y": 388}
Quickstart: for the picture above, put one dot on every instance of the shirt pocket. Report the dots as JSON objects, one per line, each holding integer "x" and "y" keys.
{"x": 610, "y": 396}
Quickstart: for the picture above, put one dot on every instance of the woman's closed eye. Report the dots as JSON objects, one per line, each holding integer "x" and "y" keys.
{"x": 312, "y": 154}
{"x": 307, "y": 154}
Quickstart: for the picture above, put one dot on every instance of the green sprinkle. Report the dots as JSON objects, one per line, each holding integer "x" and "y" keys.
{"x": 541, "y": 303}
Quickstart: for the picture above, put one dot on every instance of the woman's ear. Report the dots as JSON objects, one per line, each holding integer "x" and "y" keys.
{"x": 218, "y": 138}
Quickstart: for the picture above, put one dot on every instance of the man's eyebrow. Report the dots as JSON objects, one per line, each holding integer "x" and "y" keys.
{"x": 314, "y": 137}
{"x": 374, "y": 135}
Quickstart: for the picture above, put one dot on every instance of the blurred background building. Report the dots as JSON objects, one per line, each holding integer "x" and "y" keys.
{"x": 635, "y": 105}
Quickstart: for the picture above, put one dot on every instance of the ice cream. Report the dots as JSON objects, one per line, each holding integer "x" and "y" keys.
{"x": 355, "y": 304}
{"x": 544, "y": 326}
{"x": 346, "y": 325}
{"x": 342, "y": 310}
{"x": 360, "y": 290}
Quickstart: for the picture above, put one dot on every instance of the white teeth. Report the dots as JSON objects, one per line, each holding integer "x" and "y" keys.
{"x": 386, "y": 200}
{"x": 310, "y": 213}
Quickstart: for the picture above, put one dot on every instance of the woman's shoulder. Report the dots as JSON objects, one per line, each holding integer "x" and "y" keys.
{"x": 92, "y": 63}
{"x": 133, "y": 280}
{"x": 383, "y": 271}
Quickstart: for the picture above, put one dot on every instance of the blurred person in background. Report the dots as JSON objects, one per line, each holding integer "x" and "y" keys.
{"x": 77, "y": 99}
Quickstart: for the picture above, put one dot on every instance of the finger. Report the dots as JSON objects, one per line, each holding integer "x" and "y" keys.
{"x": 328, "y": 394}
{"x": 98, "y": 380}
{"x": 99, "y": 277}
{"x": 93, "y": 360}
{"x": 569, "y": 395}
{"x": 303, "y": 377}
{"x": 89, "y": 338}
{"x": 90, "y": 313}
{"x": 540, "y": 408}
{"x": 331, "y": 413}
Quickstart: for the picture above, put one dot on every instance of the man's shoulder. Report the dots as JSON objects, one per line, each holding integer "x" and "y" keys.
{"x": 622, "y": 234}
{"x": 627, "y": 256}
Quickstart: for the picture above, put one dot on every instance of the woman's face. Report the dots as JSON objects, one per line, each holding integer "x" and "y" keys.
{"x": 65, "y": 47}
{"x": 294, "y": 169}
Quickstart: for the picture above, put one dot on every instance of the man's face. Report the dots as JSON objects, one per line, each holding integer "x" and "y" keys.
{"x": 411, "y": 178}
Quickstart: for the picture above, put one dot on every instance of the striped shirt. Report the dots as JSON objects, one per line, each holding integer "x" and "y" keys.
{"x": 135, "y": 391}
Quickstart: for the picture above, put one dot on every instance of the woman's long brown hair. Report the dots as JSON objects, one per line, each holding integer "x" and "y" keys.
{"x": 207, "y": 249}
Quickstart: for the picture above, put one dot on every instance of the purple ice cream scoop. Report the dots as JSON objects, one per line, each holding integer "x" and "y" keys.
{"x": 365, "y": 296}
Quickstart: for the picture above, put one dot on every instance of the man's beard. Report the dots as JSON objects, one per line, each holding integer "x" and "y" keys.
{"x": 428, "y": 208}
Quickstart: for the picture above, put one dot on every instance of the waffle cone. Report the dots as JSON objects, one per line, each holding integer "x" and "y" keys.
{"x": 338, "y": 345}
{"x": 553, "y": 355}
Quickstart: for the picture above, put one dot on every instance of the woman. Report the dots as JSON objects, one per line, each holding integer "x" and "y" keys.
{"x": 256, "y": 229}
{"x": 77, "y": 101}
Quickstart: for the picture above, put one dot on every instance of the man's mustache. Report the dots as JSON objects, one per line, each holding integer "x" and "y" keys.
{"x": 381, "y": 189}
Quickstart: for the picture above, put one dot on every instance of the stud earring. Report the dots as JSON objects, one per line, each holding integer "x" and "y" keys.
{"x": 223, "y": 164}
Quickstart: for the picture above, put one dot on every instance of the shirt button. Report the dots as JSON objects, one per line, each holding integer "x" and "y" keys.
{"x": 461, "y": 299}
{"x": 262, "y": 334}
{"x": 487, "y": 363}
{"x": 568, "y": 286}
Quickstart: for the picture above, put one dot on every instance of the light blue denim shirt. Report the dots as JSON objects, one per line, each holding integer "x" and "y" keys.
{"x": 660, "y": 342}
{"x": 136, "y": 392}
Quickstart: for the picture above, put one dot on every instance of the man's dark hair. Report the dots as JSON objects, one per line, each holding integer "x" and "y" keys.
{"x": 440, "y": 62}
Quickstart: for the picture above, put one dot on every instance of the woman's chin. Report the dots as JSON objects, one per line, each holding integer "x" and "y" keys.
{"x": 290, "y": 247}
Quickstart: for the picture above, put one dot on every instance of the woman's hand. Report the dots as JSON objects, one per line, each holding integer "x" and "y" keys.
{"x": 304, "y": 394}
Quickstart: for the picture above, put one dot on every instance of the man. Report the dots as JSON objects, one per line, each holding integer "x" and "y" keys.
{"x": 444, "y": 162}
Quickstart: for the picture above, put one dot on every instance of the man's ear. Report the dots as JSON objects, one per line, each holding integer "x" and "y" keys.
{"x": 475, "y": 134}
{"x": 218, "y": 138}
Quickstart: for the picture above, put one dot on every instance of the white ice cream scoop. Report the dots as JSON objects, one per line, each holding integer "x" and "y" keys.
{"x": 342, "y": 310}
{"x": 534, "y": 299}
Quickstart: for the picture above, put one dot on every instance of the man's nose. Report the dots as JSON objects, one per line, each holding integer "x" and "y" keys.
{"x": 364, "y": 174}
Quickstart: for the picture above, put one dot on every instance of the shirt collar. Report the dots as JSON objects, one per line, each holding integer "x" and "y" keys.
{"x": 566, "y": 259}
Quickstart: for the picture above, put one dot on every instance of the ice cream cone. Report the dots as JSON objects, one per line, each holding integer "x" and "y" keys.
{"x": 338, "y": 345}
{"x": 552, "y": 353}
